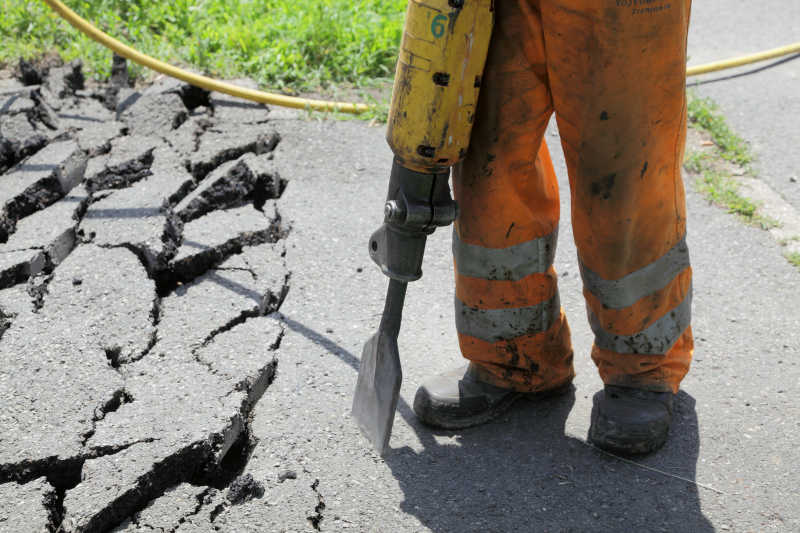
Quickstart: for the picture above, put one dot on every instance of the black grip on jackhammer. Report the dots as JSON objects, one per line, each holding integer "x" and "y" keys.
{"x": 417, "y": 203}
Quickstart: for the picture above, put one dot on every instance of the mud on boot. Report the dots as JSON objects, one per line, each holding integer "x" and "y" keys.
{"x": 456, "y": 399}
{"x": 630, "y": 421}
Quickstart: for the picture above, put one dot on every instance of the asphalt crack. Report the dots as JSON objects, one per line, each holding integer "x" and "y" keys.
{"x": 123, "y": 174}
{"x": 246, "y": 180}
{"x": 270, "y": 303}
{"x": 38, "y": 289}
{"x": 203, "y": 499}
{"x": 218, "y": 153}
{"x": 118, "y": 398}
{"x": 190, "y": 268}
{"x": 5, "y": 321}
{"x": 317, "y": 517}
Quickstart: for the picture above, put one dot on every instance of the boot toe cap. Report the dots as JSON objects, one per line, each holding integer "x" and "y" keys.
{"x": 630, "y": 422}
{"x": 453, "y": 401}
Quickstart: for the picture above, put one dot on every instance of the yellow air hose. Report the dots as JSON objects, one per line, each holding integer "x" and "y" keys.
{"x": 744, "y": 60}
{"x": 319, "y": 105}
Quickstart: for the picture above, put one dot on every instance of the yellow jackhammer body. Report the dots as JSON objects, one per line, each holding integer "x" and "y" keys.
{"x": 438, "y": 79}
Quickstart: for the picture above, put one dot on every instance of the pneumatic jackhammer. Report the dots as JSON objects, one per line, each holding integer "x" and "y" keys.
{"x": 438, "y": 78}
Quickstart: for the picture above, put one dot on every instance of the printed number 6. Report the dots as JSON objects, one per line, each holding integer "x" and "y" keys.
{"x": 437, "y": 26}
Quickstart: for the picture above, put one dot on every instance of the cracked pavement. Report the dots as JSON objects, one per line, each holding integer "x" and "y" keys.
{"x": 141, "y": 265}
{"x": 185, "y": 294}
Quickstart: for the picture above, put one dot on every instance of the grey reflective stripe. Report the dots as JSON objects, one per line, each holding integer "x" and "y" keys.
{"x": 492, "y": 325}
{"x": 512, "y": 263}
{"x": 655, "y": 340}
{"x": 624, "y": 292}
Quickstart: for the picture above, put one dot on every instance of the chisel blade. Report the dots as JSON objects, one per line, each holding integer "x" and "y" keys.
{"x": 380, "y": 374}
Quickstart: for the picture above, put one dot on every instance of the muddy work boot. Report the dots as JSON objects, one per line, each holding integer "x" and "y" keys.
{"x": 630, "y": 421}
{"x": 457, "y": 399}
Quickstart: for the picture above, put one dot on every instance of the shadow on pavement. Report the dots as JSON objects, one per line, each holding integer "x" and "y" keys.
{"x": 523, "y": 473}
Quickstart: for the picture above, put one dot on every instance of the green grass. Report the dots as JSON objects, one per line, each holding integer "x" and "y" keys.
{"x": 704, "y": 115}
{"x": 292, "y": 45}
{"x": 722, "y": 190}
{"x": 714, "y": 180}
{"x": 794, "y": 258}
{"x": 697, "y": 161}
{"x": 719, "y": 187}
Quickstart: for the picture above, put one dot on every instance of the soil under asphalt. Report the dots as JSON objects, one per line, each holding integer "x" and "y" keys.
{"x": 185, "y": 294}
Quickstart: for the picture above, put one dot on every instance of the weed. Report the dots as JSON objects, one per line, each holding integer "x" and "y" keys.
{"x": 704, "y": 115}
{"x": 794, "y": 258}
{"x": 697, "y": 161}
{"x": 721, "y": 189}
{"x": 379, "y": 112}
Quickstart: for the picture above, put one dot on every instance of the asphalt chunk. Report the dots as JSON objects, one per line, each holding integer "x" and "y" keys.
{"x": 251, "y": 177}
{"x": 208, "y": 241}
{"x": 164, "y": 513}
{"x": 96, "y": 140}
{"x": 245, "y": 355}
{"x": 17, "y": 266}
{"x": 27, "y": 508}
{"x": 228, "y": 142}
{"x": 244, "y": 488}
{"x": 17, "y": 103}
{"x": 155, "y": 114}
{"x": 47, "y": 237}
{"x": 38, "y": 182}
{"x": 81, "y": 113}
{"x": 238, "y": 287}
{"x": 63, "y": 81}
{"x": 30, "y": 74}
{"x": 18, "y": 139}
{"x": 139, "y": 217}
{"x": 42, "y": 240}
{"x": 119, "y": 485}
{"x": 128, "y": 161}
{"x": 184, "y": 138}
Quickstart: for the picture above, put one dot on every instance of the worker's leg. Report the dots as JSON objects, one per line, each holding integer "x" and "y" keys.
{"x": 617, "y": 76}
{"x": 508, "y": 316}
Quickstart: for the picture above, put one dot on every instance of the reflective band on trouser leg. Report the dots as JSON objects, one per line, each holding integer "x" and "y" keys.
{"x": 656, "y": 339}
{"x": 616, "y": 73}
{"x": 492, "y": 325}
{"x": 512, "y": 263}
{"x": 626, "y": 291}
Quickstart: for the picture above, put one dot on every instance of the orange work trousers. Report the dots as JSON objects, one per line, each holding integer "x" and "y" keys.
{"x": 613, "y": 71}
